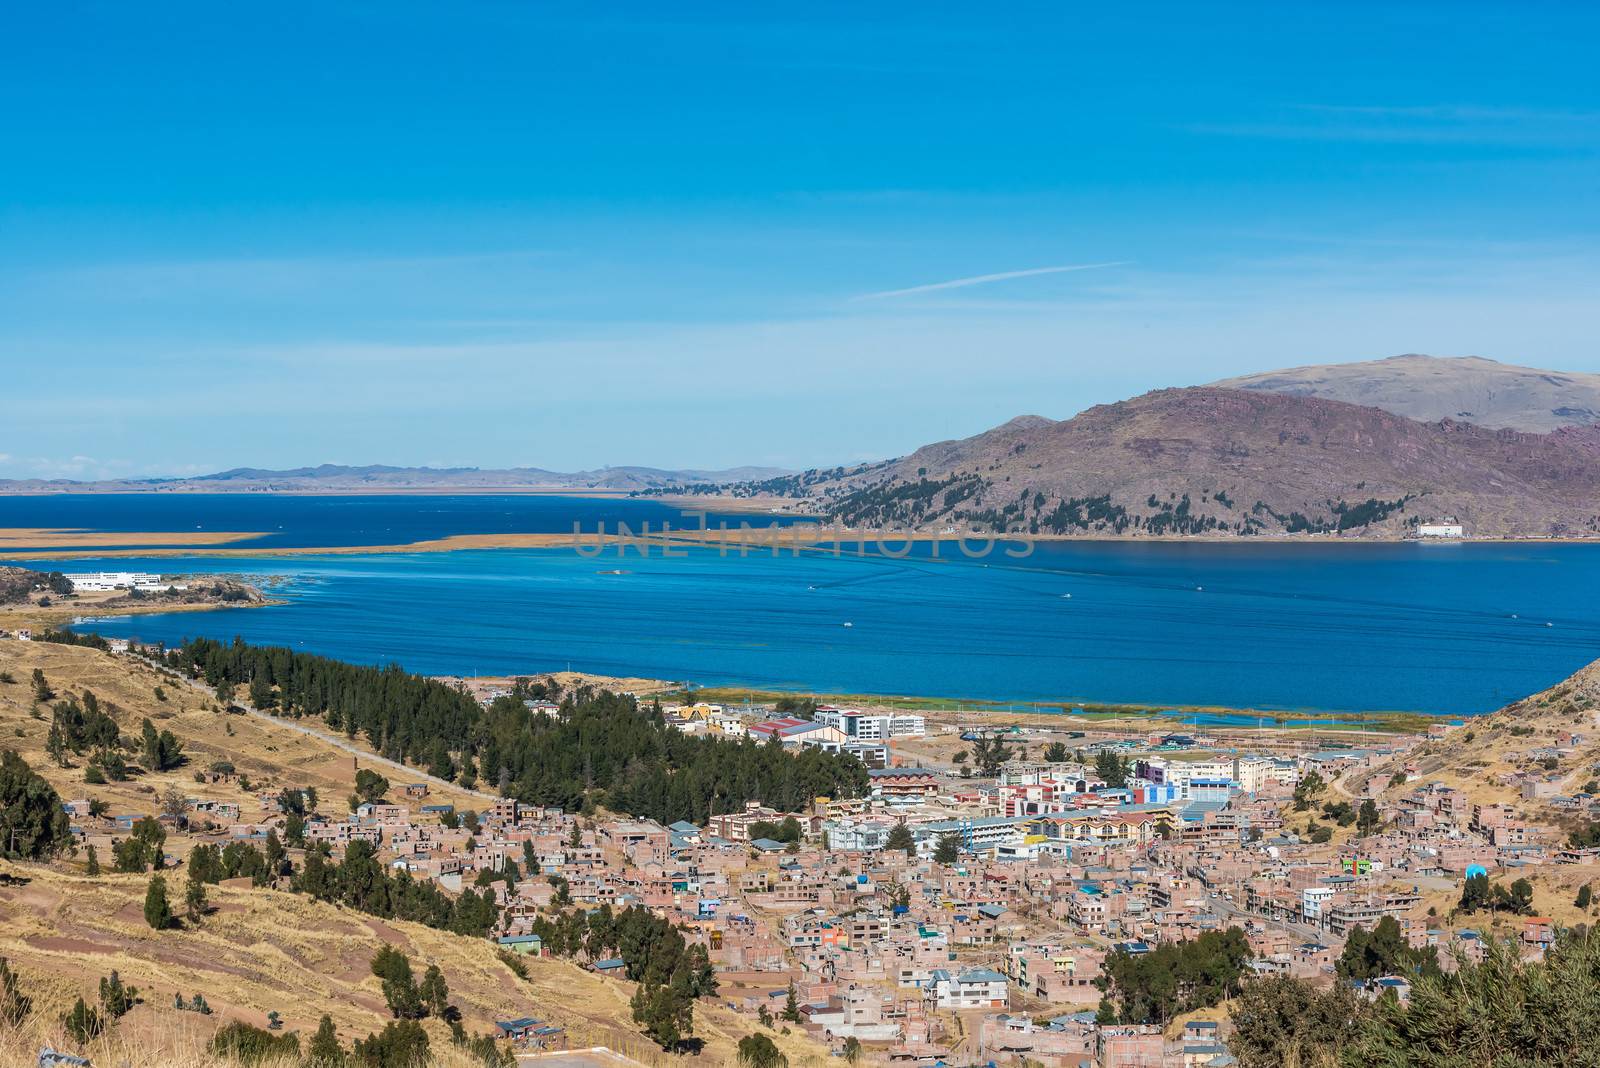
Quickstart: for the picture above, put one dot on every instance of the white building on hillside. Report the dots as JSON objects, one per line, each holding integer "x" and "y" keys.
{"x": 1447, "y": 527}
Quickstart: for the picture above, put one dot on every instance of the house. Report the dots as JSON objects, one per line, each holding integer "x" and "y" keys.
{"x": 523, "y": 944}
{"x": 531, "y": 1032}
{"x": 976, "y": 988}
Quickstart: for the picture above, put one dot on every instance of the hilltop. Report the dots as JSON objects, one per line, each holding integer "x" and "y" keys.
{"x": 1206, "y": 460}
{"x": 1469, "y": 389}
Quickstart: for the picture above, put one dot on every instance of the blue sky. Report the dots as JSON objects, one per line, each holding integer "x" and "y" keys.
{"x": 703, "y": 235}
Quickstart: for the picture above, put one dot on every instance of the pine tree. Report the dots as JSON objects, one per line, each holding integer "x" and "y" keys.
{"x": 1367, "y": 819}
{"x": 325, "y": 1051}
{"x": 92, "y": 867}
{"x": 14, "y": 1005}
{"x": 948, "y": 850}
{"x": 116, "y": 998}
{"x": 82, "y": 1023}
{"x": 791, "y": 1005}
{"x": 399, "y": 987}
{"x": 434, "y": 993}
{"x": 900, "y": 838}
{"x": 36, "y": 826}
{"x": 157, "y": 909}
{"x": 194, "y": 899}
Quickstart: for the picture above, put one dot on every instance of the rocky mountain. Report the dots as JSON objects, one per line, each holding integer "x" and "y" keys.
{"x": 1207, "y": 460}
{"x": 1470, "y": 389}
{"x": 338, "y": 477}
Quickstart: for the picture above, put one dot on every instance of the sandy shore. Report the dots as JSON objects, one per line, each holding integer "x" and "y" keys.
{"x": 28, "y": 538}
{"x": 22, "y": 543}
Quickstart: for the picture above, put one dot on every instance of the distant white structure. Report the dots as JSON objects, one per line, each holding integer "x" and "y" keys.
{"x": 871, "y": 727}
{"x": 118, "y": 580}
{"x": 1447, "y": 527}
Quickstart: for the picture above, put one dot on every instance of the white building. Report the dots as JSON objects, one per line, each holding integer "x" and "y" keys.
{"x": 977, "y": 835}
{"x": 857, "y": 835}
{"x": 1312, "y": 901}
{"x": 977, "y": 988}
{"x": 873, "y": 726}
{"x": 1447, "y": 527}
{"x": 118, "y": 580}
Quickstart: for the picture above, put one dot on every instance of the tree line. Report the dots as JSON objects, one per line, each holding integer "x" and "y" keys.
{"x": 599, "y": 748}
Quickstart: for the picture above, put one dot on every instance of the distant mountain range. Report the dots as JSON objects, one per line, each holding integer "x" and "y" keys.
{"x": 1469, "y": 389}
{"x": 339, "y": 478}
{"x": 1269, "y": 457}
{"x": 1359, "y": 449}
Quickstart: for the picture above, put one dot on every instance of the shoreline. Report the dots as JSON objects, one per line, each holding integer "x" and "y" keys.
{"x": 23, "y": 544}
{"x": 992, "y": 710}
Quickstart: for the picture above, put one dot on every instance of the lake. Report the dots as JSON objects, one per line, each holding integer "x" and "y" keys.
{"x": 1452, "y": 629}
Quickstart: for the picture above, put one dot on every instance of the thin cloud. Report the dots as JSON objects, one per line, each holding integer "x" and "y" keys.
{"x": 984, "y": 279}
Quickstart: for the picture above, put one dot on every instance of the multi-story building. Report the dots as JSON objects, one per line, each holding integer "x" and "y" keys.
{"x": 873, "y": 726}
{"x": 976, "y": 988}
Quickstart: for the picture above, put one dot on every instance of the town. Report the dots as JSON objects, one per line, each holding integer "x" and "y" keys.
{"x": 989, "y": 895}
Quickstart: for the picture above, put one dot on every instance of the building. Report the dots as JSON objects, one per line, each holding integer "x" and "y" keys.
{"x": 792, "y": 733}
{"x": 976, "y": 835}
{"x": 873, "y": 726}
{"x": 976, "y": 988}
{"x": 903, "y": 786}
{"x": 85, "y": 582}
{"x": 1447, "y": 527}
{"x": 864, "y": 835}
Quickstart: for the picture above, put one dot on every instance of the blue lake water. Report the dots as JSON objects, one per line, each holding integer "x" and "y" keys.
{"x": 1455, "y": 629}
{"x": 293, "y": 521}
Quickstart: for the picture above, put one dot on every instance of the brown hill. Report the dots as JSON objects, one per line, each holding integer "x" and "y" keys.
{"x": 1467, "y": 388}
{"x": 1199, "y": 460}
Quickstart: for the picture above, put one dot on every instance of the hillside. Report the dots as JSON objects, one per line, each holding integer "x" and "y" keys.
{"x": 331, "y": 478}
{"x": 261, "y": 949}
{"x": 266, "y": 950}
{"x": 1489, "y": 756}
{"x": 1470, "y": 389}
{"x": 1205, "y": 460}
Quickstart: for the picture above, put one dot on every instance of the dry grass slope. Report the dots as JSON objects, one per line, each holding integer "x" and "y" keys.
{"x": 260, "y": 950}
